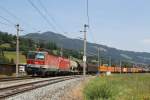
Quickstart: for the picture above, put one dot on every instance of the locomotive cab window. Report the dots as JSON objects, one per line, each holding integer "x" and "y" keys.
{"x": 36, "y": 55}
{"x": 31, "y": 55}
{"x": 40, "y": 56}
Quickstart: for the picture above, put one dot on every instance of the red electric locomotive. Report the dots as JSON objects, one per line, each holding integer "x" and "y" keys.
{"x": 43, "y": 64}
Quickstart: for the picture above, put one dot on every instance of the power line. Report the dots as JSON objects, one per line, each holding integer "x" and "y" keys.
{"x": 42, "y": 15}
{"x": 12, "y": 24}
{"x": 8, "y": 12}
{"x": 50, "y": 16}
{"x": 7, "y": 20}
{"x": 88, "y": 21}
{"x": 13, "y": 15}
{"x": 5, "y": 24}
{"x": 53, "y": 20}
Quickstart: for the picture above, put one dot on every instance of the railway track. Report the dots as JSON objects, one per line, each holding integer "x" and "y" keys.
{"x": 16, "y": 89}
{"x": 15, "y": 78}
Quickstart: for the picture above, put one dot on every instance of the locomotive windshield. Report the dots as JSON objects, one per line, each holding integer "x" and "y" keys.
{"x": 36, "y": 55}
{"x": 31, "y": 55}
{"x": 39, "y": 56}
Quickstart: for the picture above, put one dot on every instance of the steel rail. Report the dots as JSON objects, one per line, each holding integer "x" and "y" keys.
{"x": 15, "y": 78}
{"x": 16, "y": 89}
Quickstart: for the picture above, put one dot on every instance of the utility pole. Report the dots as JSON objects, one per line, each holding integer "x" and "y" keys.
{"x": 99, "y": 62}
{"x": 98, "y": 57}
{"x": 133, "y": 68}
{"x": 38, "y": 44}
{"x": 61, "y": 51}
{"x": 109, "y": 60}
{"x": 84, "y": 54}
{"x": 120, "y": 66}
{"x": 17, "y": 51}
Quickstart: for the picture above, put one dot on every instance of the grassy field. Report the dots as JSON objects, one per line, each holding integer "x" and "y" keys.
{"x": 119, "y": 87}
{"x": 12, "y": 55}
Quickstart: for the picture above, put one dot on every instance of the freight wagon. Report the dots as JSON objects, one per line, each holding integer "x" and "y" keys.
{"x": 119, "y": 69}
{"x": 92, "y": 68}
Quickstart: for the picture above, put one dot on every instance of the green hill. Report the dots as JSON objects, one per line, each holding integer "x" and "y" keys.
{"x": 105, "y": 51}
{"x": 12, "y": 55}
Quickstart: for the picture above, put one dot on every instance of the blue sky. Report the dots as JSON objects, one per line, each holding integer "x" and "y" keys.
{"x": 123, "y": 24}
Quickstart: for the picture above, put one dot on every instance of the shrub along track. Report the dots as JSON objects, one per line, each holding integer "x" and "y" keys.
{"x": 16, "y": 89}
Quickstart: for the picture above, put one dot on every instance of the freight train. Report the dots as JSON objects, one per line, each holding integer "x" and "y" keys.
{"x": 120, "y": 69}
{"x": 44, "y": 64}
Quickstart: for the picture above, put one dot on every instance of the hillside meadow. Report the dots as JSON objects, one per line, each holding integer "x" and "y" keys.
{"x": 12, "y": 55}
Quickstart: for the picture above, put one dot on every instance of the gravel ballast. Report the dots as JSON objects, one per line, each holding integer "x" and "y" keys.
{"x": 57, "y": 91}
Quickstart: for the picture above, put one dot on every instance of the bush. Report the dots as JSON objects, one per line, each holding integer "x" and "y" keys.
{"x": 100, "y": 90}
{"x": 119, "y": 87}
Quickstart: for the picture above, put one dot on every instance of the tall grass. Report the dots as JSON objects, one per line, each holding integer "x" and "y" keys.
{"x": 119, "y": 87}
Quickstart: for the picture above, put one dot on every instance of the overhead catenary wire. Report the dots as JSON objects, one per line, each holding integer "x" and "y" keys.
{"x": 14, "y": 16}
{"x": 54, "y": 21}
{"x": 10, "y": 22}
{"x": 91, "y": 32}
{"x": 42, "y": 15}
{"x": 89, "y": 22}
{"x": 8, "y": 12}
{"x": 58, "y": 26}
{"x": 5, "y": 24}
